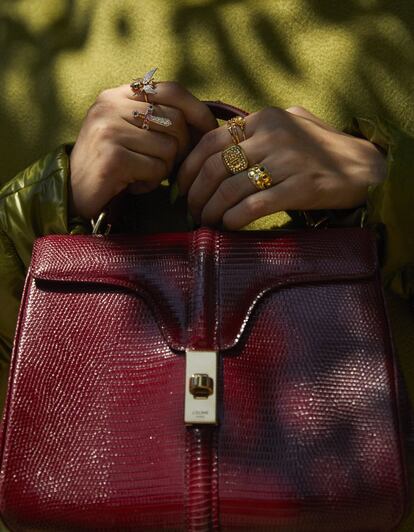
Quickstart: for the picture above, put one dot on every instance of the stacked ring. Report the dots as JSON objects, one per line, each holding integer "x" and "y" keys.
{"x": 259, "y": 177}
{"x": 236, "y": 127}
{"x": 235, "y": 159}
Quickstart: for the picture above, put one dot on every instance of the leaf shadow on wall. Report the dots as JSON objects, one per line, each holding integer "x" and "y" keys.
{"x": 37, "y": 53}
{"x": 377, "y": 51}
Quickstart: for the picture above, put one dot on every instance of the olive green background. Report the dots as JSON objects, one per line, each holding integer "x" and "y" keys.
{"x": 337, "y": 58}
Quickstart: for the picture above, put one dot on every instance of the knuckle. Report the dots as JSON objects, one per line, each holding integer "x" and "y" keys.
{"x": 170, "y": 146}
{"x": 212, "y": 168}
{"x": 255, "y": 206}
{"x": 156, "y": 168}
{"x": 269, "y": 138}
{"x": 95, "y": 110}
{"x": 296, "y": 109}
{"x": 173, "y": 88}
{"x": 99, "y": 108}
{"x": 105, "y": 95}
{"x": 227, "y": 191}
{"x": 112, "y": 161}
{"x": 105, "y": 131}
{"x": 229, "y": 222}
{"x": 178, "y": 118}
{"x": 208, "y": 141}
{"x": 284, "y": 137}
{"x": 274, "y": 113}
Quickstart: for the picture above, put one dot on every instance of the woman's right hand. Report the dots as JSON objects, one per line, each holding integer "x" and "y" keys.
{"x": 113, "y": 153}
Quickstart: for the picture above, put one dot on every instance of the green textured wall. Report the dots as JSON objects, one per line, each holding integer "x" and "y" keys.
{"x": 337, "y": 58}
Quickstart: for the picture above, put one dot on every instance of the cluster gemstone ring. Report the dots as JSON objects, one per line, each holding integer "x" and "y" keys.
{"x": 259, "y": 176}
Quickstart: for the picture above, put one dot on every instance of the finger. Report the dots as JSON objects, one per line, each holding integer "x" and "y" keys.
{"x": 231, "y": 192}
{"x": 139, "y": 167}
{"x": 173, "y": 94}
{"x": 152, "y": 143}
{"x": 275, "y": 199}
{"x": 304, "y": 113}
{"x": 213, "y": 173}
{"x": 213, "y": 142}
{"x": 178, "y": 128}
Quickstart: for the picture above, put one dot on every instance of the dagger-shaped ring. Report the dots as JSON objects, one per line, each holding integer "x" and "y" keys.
{"x": 148, "y": 117}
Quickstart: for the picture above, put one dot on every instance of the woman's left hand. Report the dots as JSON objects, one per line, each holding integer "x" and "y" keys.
{"x": 312, "y": 165}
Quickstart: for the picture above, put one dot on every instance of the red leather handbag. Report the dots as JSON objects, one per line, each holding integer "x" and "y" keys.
{"x": 204, "y": 381}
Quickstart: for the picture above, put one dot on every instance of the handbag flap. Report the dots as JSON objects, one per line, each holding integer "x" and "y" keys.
{"x": 203, "y": 286}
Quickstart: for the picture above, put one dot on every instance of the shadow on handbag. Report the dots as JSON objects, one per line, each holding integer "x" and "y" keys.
{"x": 309, "y": 433}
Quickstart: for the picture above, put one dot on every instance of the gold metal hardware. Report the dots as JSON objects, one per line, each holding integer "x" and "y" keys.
{"x": 97, "y": 226}
{"x": 200, "y": 387}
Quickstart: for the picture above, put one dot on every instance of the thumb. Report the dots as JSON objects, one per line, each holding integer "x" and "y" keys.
{"x": 304, "y": 113}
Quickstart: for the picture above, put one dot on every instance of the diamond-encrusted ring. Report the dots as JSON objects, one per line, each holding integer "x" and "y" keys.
{"x": 145, "y": 85}
{"x": 259, "y": 177}
{"x": 148, "y": 117}
{"x": 234, "y": 159}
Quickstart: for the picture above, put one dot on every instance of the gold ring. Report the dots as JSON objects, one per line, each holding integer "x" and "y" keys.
{"x": 235, "y": 159}
{"x": 145, "y": 85}
{"x": 259, "y": 177}
{"x": 236, "y": 127}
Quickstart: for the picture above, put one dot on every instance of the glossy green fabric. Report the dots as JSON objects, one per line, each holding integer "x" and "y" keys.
{"x": 32, "y": 204}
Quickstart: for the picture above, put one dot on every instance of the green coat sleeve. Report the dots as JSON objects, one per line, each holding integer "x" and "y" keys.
{"x": 390, "y": 204}
{"x": 32, "y": 204}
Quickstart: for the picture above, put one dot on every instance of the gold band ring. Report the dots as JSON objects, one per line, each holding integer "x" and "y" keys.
{"x": 235, "y": 159}
{"x": 259, "y": 177}
{"x": 236, "y": 127}
{"x": 145, "y": 85}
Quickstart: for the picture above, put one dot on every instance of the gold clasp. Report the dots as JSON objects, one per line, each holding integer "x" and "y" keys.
{"x": 200, "y": 387}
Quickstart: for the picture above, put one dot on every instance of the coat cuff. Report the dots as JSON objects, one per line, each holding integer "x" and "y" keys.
{"x": 35, "y": 203}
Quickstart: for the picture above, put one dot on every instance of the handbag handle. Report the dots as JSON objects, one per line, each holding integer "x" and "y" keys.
{"x": 224, "y": 111}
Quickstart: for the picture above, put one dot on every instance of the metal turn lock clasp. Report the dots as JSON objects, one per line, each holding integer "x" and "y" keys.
{"x": 200, "y": 387}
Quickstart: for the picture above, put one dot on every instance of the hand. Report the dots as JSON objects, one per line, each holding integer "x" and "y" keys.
{"x": 313, "y": 166}
{"x": 112, "y": 152}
